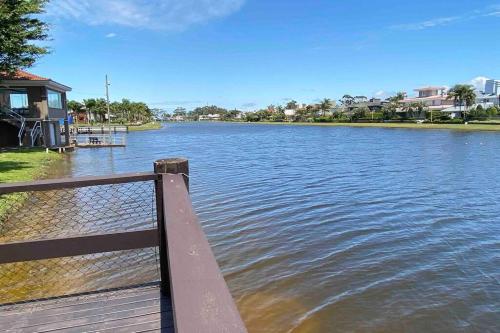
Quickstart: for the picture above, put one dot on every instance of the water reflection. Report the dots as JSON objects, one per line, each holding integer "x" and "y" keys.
{"x": 323, "y": 229}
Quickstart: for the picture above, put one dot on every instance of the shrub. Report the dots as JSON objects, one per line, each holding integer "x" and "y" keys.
{"x": 323, "y": 119}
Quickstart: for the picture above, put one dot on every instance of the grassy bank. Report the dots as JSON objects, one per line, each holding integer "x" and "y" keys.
{"x": 22, "y": 165}
{"x": 459, "y": 127}
{"x": 145, "y": 127}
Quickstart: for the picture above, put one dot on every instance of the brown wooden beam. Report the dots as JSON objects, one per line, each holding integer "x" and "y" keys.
{"x": 55, "y": 184}
{"x": 76, "y": 246}
{"x": 162, "y": 167}
{"x": 200, "y": 297}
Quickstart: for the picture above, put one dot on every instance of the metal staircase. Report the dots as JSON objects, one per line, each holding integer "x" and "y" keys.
{"x": 35, "y": 132}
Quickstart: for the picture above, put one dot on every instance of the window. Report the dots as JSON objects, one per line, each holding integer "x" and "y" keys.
{"x": 18, "y": 99}
{"x": 54, "y": 99}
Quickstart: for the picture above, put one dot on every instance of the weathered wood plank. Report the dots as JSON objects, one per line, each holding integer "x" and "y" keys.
{"x": 106, "y": 307}
{"x": 75, "y": 246}
{"x": 97, "y": 321}
{"x": 153, "y": 326}
{"x": 56, "y": 184}
{"x": 200, "y": 297}
{"x": 67, "y": 304}
{"x": 153, "y": 313}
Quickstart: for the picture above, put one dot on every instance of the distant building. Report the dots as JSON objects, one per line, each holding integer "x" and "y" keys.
{"x": 360, "y": 99}
{"x": 492, "y": 87}
{"x": 373, "y": 104}
{"x": 32, "y": 111}
{"x": 214, "y": 116}
{"x": 290, "y": 113}
{"x": 435, "y": 98}
{"x": 486, "y": 100}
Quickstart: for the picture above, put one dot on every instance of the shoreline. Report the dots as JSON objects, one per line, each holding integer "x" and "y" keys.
{"x": 145, "y": 127}
{"x": 131, "y": 128}
{"x": 20, "y": 166}
{"x": 456, "y": 127}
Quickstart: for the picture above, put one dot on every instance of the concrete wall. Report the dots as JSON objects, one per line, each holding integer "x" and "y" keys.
{"x": 4, "y": 98}
{"x": 57, "y": 113}
{"x": 37, "y": 100}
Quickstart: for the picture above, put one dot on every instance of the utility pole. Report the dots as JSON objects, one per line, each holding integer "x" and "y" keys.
{"x": 107, "y": 104}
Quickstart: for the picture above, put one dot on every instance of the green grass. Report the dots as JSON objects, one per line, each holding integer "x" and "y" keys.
{"x": 22, "y": 165}
{"x": 145, "y": 127}
{"x": 459, "y": 127}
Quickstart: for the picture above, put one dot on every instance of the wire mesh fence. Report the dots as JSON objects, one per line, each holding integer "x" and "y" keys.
{"x": 28, "y": 216}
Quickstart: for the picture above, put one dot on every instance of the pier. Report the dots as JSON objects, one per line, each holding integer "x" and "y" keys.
{"x": 99, "y": 140}
{"x": 189, "y": 295}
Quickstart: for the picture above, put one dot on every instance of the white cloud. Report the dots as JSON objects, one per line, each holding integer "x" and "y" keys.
{"x": 110, "y": 35}
{"x": 496, "y": 13}
{"x": 151, "y": 14}
{"x": 427, "y": 24}
{"x": 479, "y": 82}
{"x": 442, "y": 21}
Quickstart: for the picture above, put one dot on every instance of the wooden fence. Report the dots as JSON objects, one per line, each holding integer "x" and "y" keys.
{"x": 189, "y": 272}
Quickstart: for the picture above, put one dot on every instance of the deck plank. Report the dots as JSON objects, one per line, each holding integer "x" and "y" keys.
{"x": 140, "y": 309}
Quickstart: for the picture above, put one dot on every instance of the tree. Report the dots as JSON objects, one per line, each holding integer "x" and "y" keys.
{"x": 97, "y": 107}
{"x": 398, "y": 97}
{"x": 389, "y": 110}
{"x": 463, "y": 94}
{"x": 75, "y": 106}
{"x": 347, "y": 100}
{"x": 18, "y": 30}
{"x": 418, "y": 107}
{"x": 360, "y": 112}
{"x": 325, "y": 105}
{"x": 292, "y": 105}
{"x": 492, "y": 111}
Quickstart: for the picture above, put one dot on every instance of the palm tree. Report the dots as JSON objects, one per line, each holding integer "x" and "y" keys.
{"x": 325, "y": 105}
{"x": 414, "y": 106}
{"x": 292, "y": 105}
{"x": 396, "y": 99}
{"x": 463, "y": 94}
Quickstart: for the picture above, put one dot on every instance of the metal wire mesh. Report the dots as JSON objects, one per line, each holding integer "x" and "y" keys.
{"x": 77, "y": 212}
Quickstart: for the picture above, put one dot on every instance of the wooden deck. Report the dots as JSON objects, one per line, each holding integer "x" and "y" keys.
{"x": 141, "y": 309}
{"x": 199, "y": 299}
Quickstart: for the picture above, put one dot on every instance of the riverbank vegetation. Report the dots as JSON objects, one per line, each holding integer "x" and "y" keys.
{"x": 94, "y": 111}
{"x": 22, "y": 165}
{"x": 395, "y": 111}
{"x": 462, "y": 127}
{"x": 145, "y": 127}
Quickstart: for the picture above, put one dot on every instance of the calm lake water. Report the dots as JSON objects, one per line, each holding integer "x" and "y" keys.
{"x": 326, "y": 229}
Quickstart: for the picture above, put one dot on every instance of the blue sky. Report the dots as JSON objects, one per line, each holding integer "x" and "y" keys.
{"x": 251, "y": 53}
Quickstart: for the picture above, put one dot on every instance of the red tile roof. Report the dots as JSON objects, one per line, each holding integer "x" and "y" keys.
{"x": 22, "y": 75}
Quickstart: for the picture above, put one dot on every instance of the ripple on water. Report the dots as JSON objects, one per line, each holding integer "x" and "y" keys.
{"x": 341, "y": 229}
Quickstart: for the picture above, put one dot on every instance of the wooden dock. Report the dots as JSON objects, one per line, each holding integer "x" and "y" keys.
{"x": 99, "y": 140}
{"x": 191, "y": 295}
{"x": 141, "y": 309}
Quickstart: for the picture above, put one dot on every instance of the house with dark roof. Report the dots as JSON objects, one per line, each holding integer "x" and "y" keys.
{"x": 33, "y": 111}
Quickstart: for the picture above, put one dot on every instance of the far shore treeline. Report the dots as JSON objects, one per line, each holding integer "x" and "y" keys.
{"x": 348, "y": 109}
{"x": 122, "y": 112}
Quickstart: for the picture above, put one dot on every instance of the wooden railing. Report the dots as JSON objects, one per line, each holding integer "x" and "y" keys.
{"x": 189, "y": 272}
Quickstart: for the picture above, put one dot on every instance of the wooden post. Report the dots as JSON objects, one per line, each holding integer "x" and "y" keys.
{"x": 173, "y": 166}
{"x": 165, "y": 166}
